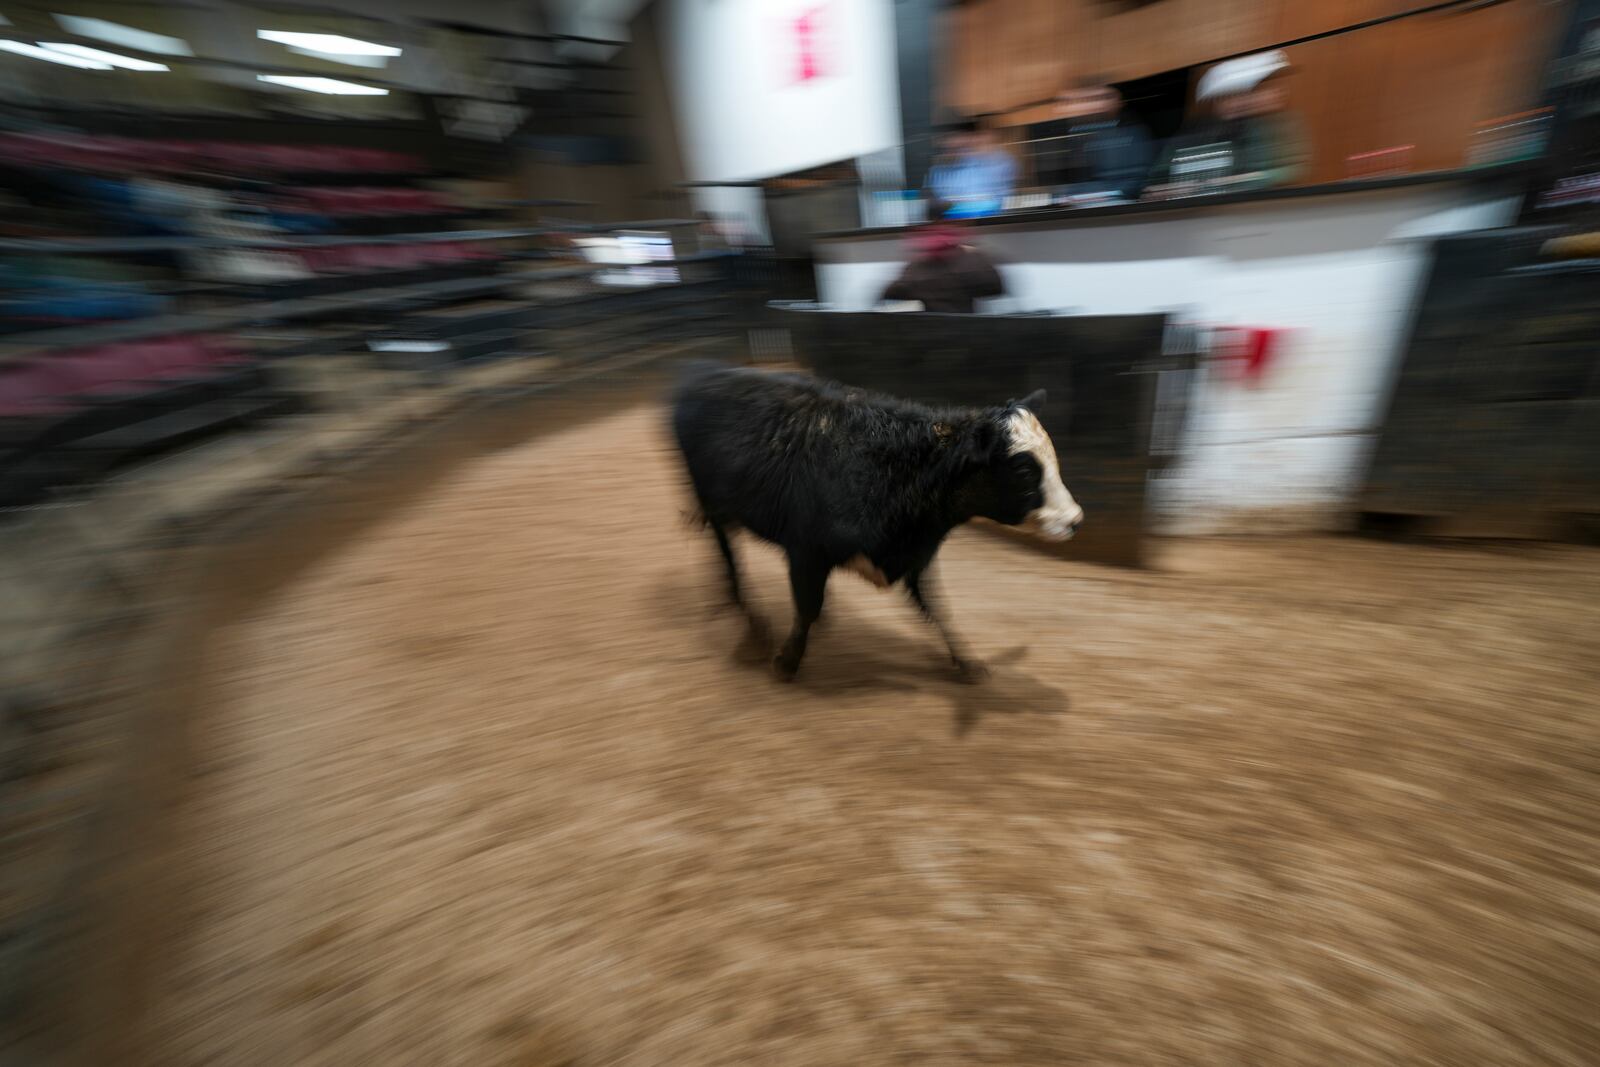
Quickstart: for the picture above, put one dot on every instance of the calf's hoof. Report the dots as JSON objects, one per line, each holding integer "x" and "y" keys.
{"x": 971, "y": 671}
{"x": 755, "y": 644}
{"x": 784, "y": 666}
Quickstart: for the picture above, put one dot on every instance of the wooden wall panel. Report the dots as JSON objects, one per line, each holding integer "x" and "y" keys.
{"x": 1314, "y": 98}
{"x": 967, "y": 59}
{"x": 1138, "y": 41}
{"x": 994, "y": 79}
{"x": 1538, "y": 25}
{"x": 1252, "y": 24}
{"x": 1019, "y": 54}
{"x": 1338, "y": 93}
{"x": 1451, "y": 67}
{"x": 981, "y": 32}
{"x": 1423, "y": 80}
{"x": 1027, "y": 51}
{"x": 1078, "y": 33}
{"x": 1381, "y": 8}
{"x": 1002, "y": 29}
{"x": 1203, "y": 30}
{"x": 1302, "y": 18}
{"x": 1030, "y": 49}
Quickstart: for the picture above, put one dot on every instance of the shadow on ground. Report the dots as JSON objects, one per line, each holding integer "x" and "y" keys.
{"x": 850, "y": 653}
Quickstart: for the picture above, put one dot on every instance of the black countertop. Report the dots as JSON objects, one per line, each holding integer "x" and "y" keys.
{"x": 1507, "y": 174}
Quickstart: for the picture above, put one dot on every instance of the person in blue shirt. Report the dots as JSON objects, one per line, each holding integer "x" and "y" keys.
{"x": 975, "y": 175}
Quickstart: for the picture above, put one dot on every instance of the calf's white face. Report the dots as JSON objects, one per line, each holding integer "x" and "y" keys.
{"x": 1058, "y": 515}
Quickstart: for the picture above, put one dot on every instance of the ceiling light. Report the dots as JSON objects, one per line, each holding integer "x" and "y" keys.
{"x": 373, "y": 62}
{"x": 126, "y": 36}
{"x": 35, "y": 52}
{"x": 125, "y": 62}
{"x": 332, "y": 86}
{"x": 328, "y": 43}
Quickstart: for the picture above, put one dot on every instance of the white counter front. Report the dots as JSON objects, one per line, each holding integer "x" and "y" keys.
{"x": 1340, "y": 271}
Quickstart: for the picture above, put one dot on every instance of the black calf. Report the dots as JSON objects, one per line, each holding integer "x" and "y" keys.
{"x": 839, "y": 477}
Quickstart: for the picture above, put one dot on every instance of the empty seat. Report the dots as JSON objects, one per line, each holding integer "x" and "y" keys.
{"x": 29, "y": 388}
{"x": 93, "y": 372}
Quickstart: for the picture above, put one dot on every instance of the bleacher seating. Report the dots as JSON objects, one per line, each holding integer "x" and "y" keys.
{"x": 358, "y": 200}
{"x": 72, "y": 414}
{"x": 124, "y": 155}
{"x": 340, "y": 251}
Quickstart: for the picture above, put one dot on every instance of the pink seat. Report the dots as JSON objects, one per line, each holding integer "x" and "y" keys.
{"x": 170, "y": 358}
{"x": 145, "y": 356}
{"x": 29, "y": 389}
{"x": 364, "y": 258}
{"x": 87, "y": 372}
{"x": 218, "y": 351}
{"x": 125, "y": 365}
{"x": 397, "y": 257}
{"x": 301, "y": 157}
{"x": 257, "y": 157}
{"x": 189, "y": 355}
{"x": 337, "y": 160}
{"x": 316, "y": 260}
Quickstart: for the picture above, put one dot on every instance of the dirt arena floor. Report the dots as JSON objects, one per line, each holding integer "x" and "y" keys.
{"x": 492, "y": 784}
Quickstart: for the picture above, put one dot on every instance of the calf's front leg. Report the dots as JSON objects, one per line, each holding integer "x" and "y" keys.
{"x": 808, "y": 580}
{"x": 970, "y": 670}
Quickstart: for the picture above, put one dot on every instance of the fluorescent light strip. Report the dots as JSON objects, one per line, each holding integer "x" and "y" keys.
{"x": 126, "y": 36}
{"x": 125, "y": 62}
{"x": 35, "y": 52}
{"x": 332, "y": 44}
{"x": 370, "y": 62}
{"x": 331, "y": 86}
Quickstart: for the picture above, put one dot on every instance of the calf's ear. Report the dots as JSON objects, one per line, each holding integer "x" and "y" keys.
{"x": 1034, "y": 401}
{"x": 982, "y": 439}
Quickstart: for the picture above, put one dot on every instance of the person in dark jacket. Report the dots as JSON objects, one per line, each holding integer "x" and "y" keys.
{"x": 1245, "y": 138}
{"x": 944, "y": 274}
{"x": 1091, "y": 148}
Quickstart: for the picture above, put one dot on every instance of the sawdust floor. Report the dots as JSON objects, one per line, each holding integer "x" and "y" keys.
{"x": 489, "y": 785}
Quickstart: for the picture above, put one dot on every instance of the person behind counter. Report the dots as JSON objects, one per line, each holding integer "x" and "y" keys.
{"x": 1249, "y": 140}
{"x": 1090, "y": 150}
{"x": 944, "y": 274}
{"x": 975, "y": 175}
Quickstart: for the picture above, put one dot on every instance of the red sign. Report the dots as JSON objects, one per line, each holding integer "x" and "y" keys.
{"x": 810, "y": 45}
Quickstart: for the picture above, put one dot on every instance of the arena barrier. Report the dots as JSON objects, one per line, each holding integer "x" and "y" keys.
{"x": 1494, "y": 420}
{"x": 1103, "y": 374}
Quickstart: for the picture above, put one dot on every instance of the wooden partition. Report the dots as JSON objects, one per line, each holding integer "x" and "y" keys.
{"x": 1494, "y": 419}
{"x": 1100, "y": 371}
{"x": 1422, "y": 77}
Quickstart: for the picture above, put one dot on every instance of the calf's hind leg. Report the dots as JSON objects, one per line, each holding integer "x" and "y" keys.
{"x": 727, "y": 558}
{"x": 808, "y": 580}
{"x": 758, "y": 625}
